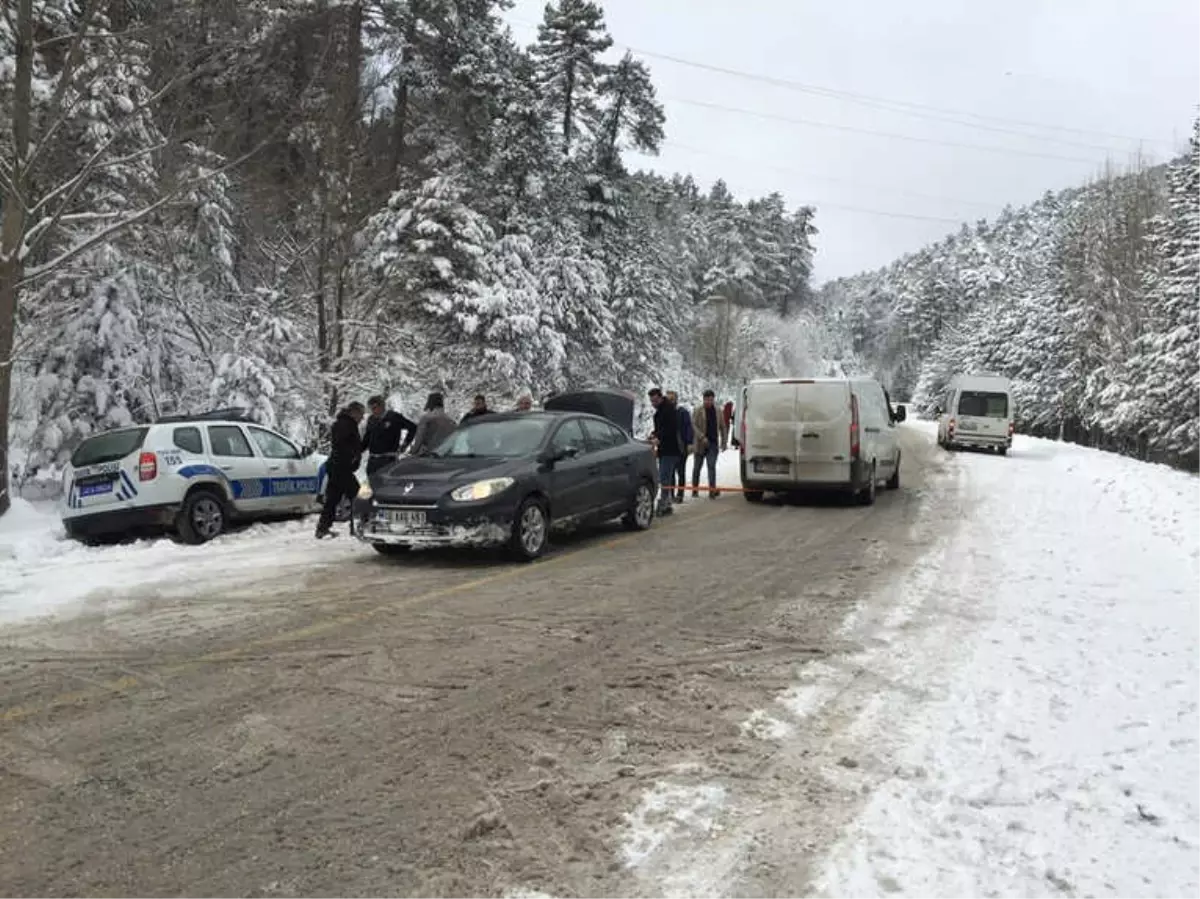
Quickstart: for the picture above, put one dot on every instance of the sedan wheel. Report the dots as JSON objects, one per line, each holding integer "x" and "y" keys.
{"x": 530, "y": 530}
{"x": 641, "y": 514}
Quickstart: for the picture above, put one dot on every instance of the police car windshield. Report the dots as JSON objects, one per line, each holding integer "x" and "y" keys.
{"x": 501, "y": 438}
{"x": 108, "y": 447}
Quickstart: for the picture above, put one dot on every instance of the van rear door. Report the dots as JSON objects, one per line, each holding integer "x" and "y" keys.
{"x": 823, "y": 420}
{"x": 769, "y": 419}
{"x": 983, "y": 413}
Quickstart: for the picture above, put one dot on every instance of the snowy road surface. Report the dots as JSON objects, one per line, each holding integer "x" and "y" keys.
{"x": 986, "y": 684}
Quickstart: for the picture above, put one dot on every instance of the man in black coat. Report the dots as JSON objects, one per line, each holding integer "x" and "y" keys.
{"x": 342, "y": 465}
{"x": 385, "y": 427}
{"x": 478, "y": 407}
{"x": 669, "y": 444}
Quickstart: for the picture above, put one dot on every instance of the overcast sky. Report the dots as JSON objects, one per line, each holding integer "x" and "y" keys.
{"x": 1109, "y": 77}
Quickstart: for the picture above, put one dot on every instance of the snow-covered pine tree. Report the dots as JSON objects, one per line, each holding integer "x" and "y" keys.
{"x": 571, "y": 40}
{"x": 1159, "y": 393}
{"x": 91, "y": 355}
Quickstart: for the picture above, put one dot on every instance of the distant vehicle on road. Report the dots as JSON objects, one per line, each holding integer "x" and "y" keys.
{"x": 188, "y": 475}
{"x": 977, "y": 412}
{"x": 818, "y": 434}
{"x": 510, "y": 479}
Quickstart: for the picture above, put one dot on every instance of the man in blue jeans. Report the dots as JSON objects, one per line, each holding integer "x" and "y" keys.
{"x": 711, "y": 434}
{"x": 666, "y": 439}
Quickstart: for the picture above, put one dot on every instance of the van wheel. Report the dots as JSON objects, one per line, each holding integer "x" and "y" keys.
{"x": 202, "y": 517}
{"x": 893, "y": 483}
{"x": 753, "y": 496}
{"x": 1003, "y": 450}
{"x": 866, "y": 496}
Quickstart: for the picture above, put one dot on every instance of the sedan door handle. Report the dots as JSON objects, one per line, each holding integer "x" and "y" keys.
{"x": 226, "y": 468}
{"x": 274, "y": 467}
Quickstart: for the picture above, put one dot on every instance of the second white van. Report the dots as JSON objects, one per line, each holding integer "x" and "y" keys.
{"x": 801, "y": 434}
{"x": 977, "y": 412}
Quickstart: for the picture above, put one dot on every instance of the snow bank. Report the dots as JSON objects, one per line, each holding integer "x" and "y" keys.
{"x": 42, "y": 573}
{"x": 1058, "y": 751}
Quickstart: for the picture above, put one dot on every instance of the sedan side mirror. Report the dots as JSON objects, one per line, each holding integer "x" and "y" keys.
{"x": 306, "y": 451}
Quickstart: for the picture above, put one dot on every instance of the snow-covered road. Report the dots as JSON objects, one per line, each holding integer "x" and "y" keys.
{"x": 1018, "y": 713}
{"x": 1014, "y": 713}
{"x": 1057, "y": 658}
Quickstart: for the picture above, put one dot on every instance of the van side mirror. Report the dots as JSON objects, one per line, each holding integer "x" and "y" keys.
{"x": 901, "y": 414}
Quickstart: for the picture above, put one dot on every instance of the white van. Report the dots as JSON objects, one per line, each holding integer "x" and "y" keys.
{"x": 977, "y": 412}
{"x": 818, "y": 434}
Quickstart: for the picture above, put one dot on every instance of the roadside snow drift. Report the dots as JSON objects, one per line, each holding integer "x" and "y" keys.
{"x": 1058, "y": 751}
{"x": 43, "y": 573}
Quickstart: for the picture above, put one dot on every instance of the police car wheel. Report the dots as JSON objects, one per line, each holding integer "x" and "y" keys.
{"x": 202, "y": 517}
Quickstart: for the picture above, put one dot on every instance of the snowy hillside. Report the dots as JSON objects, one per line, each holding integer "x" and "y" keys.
{"x": 1089, "y": 300}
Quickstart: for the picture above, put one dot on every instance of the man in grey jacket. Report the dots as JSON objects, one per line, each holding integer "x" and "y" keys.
{"x": 433, "y": 427}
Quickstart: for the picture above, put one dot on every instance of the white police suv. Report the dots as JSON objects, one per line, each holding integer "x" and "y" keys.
{"x": 190, "y": 475}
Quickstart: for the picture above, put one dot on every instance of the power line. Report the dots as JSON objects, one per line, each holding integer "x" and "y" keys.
{"x": 1010, "y": 151}
{"x": 905, "y": 106}
{"x": 996, "y": 207}
{"x": 902, "y": 106}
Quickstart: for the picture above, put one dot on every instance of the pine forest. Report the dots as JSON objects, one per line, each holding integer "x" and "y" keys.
{"x": 286, "y": 204}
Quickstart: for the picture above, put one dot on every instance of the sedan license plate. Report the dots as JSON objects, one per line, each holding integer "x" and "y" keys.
{"x": 96, "y": 489}
{"x": 771, "y": 467}
{"x": 405, "y": 519}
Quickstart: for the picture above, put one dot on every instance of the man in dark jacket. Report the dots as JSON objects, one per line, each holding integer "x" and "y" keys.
{"x": 686, "y": 437}
{"x": 345, "y": 455}
{"x": 382, "y": 436}
{"x": 667, "y": 441}
{"x": 478, "y": 407}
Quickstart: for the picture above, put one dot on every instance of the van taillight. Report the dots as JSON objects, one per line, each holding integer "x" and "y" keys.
{"x": 1010, "y": 429}
{"x": 855, "y": 447}
{"x": 147, "y": 467}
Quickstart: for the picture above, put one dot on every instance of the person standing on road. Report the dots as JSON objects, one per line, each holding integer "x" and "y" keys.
{"x": 666, "y": 439}
{"x": 525, "y": 404}
{"x": 382, "y": 436}
{"x": 434, "y": 427}
{"x": 345, "y": 454}
{"x": 727, "y": 418}
{"x": 478, "y": 407}
{"x": 712, "y": 432}
{"x": 687, "y": 437}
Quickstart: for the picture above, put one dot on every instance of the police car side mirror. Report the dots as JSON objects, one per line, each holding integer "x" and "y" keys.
{"x": 306, "y": 451}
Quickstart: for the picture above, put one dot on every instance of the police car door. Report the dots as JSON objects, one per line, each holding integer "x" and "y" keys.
{"x": 292, "y": 481}
{"x": 245, "y": 472}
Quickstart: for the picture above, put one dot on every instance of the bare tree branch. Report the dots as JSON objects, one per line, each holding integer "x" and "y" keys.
{"x": 132, "y": 219}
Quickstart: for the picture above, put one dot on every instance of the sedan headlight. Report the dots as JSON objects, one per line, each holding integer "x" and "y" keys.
{"x": 481, "y": 490}
{"x": 365, "y": 492}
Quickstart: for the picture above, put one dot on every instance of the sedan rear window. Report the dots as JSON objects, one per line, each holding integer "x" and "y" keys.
{"x": 982, "y": 404}
{"x": 505, "y": 438}
{"x": 108, "y": 447}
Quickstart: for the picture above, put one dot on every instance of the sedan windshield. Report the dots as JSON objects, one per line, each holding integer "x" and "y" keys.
{"x": 504, "y": 438}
